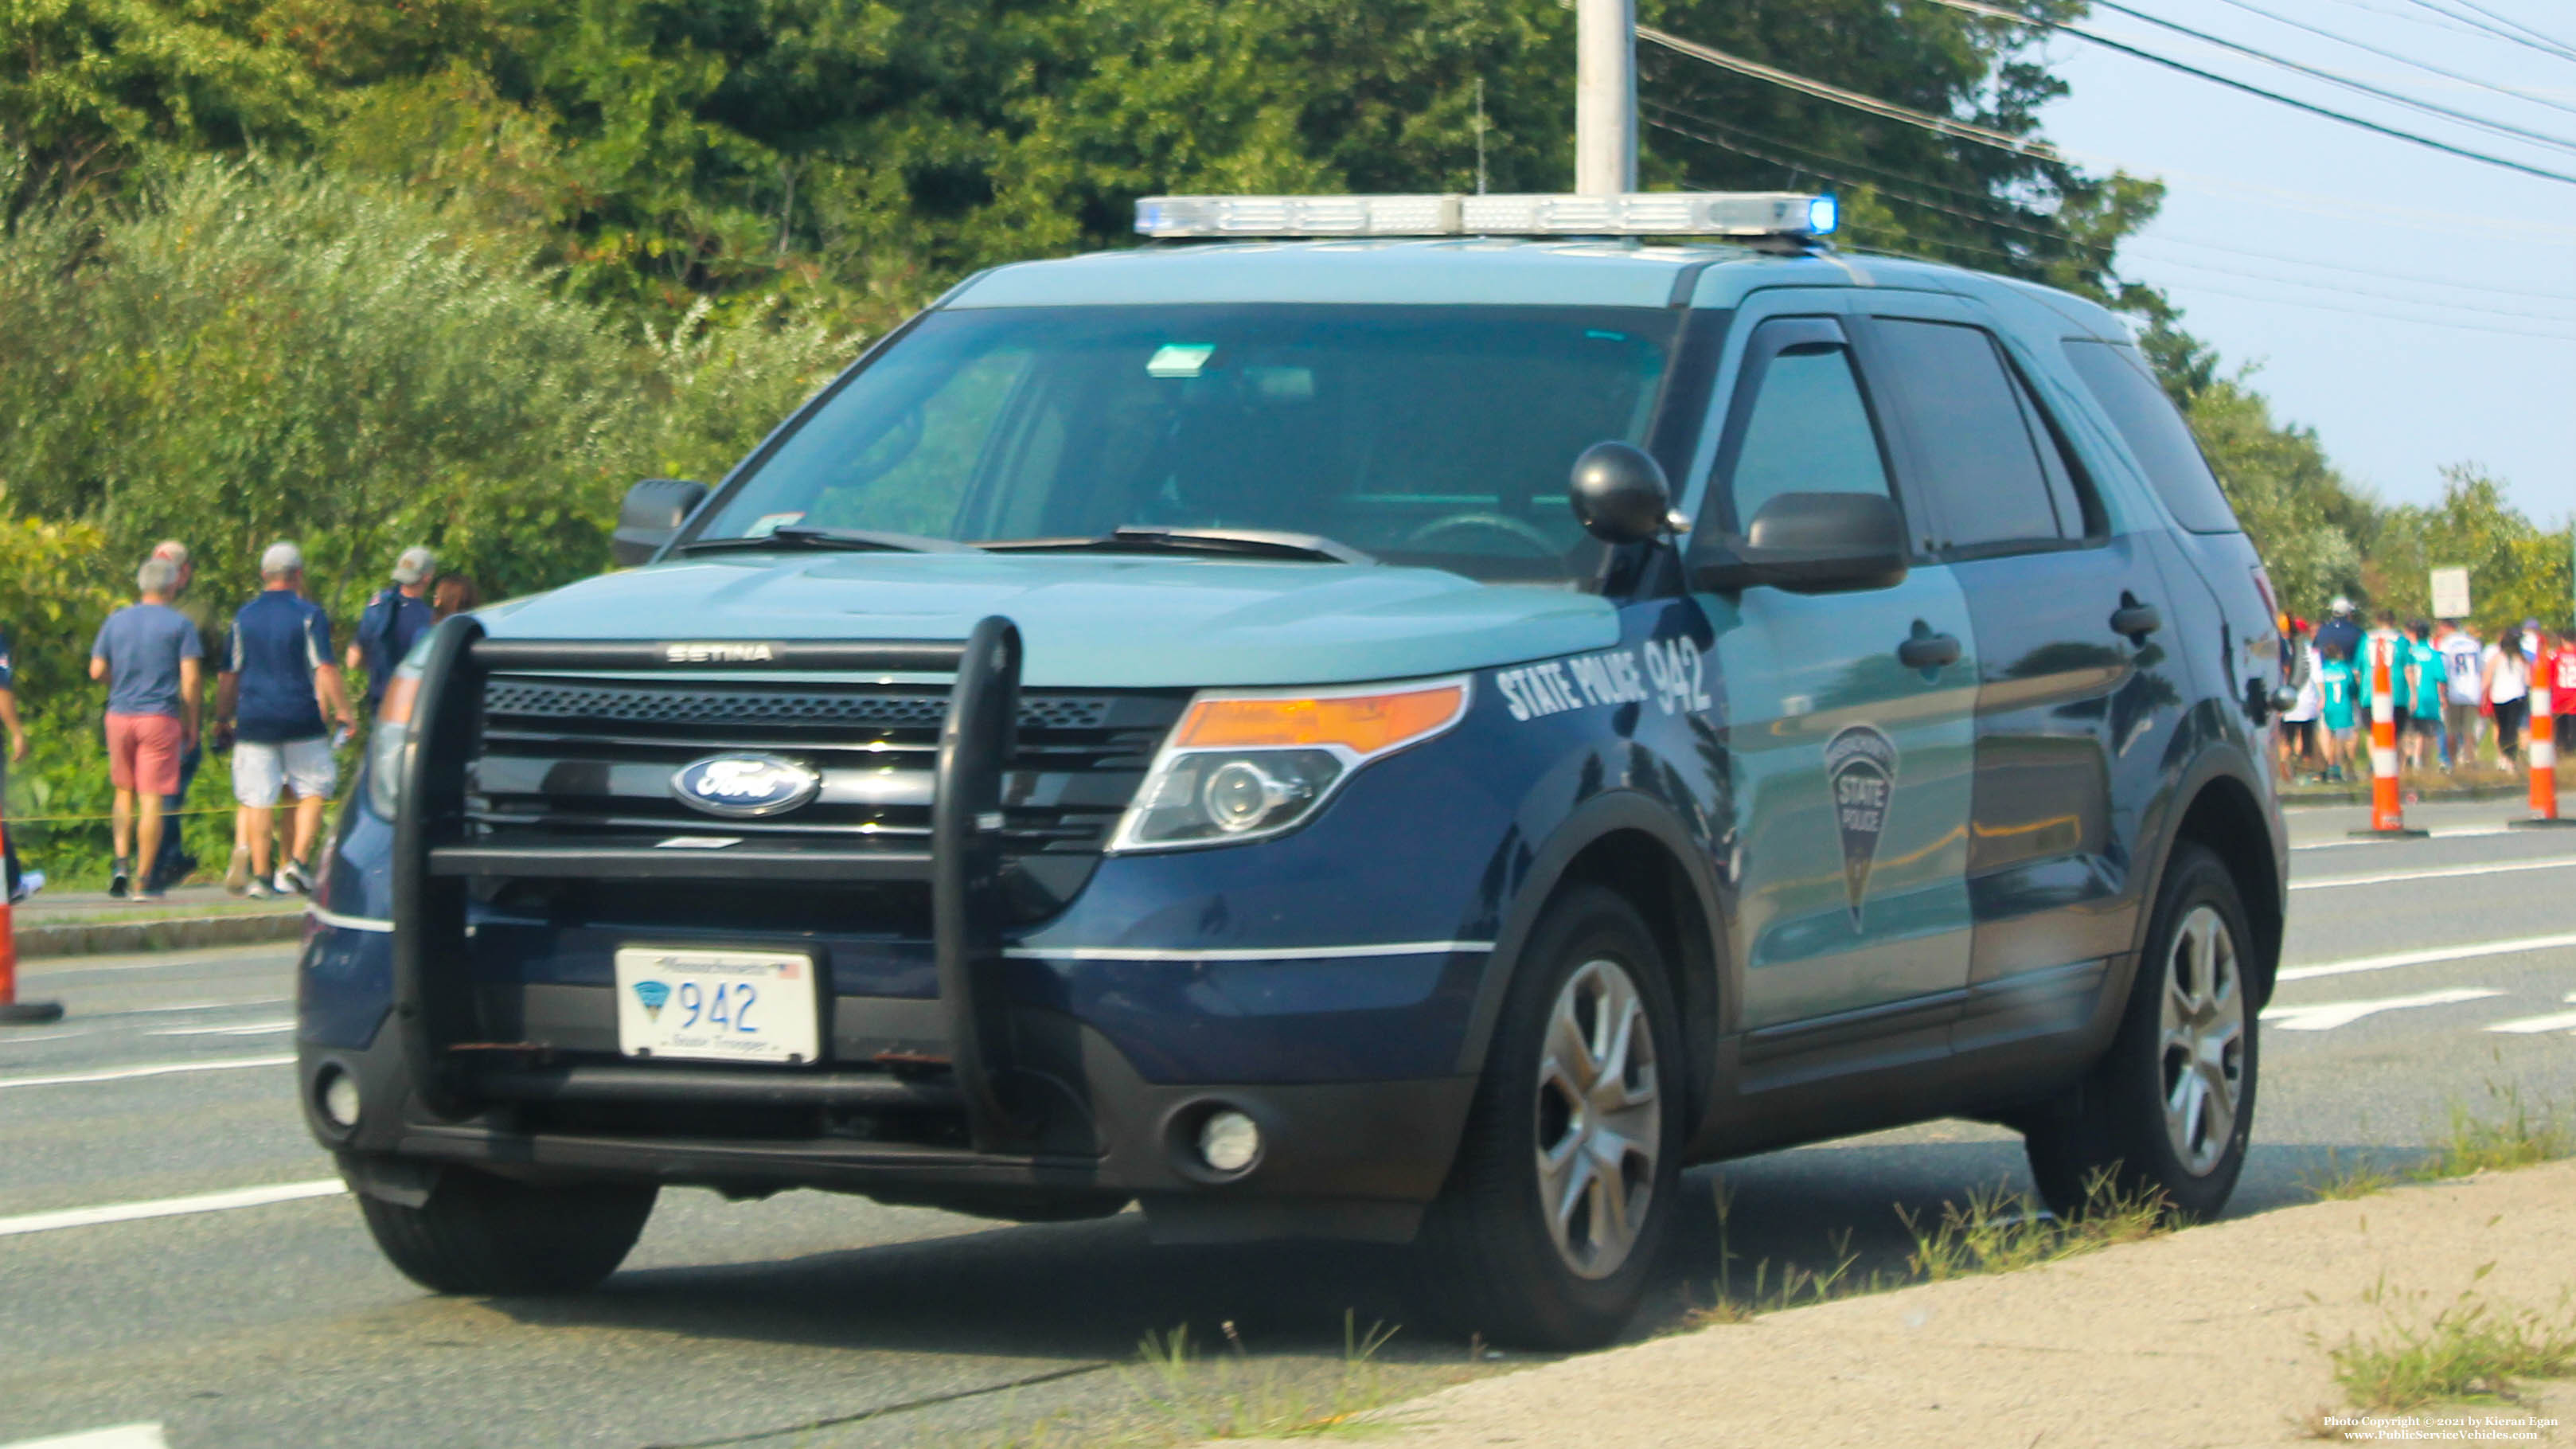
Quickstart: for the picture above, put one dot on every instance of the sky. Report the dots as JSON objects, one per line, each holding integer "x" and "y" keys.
{"x": 2416, "y": 309}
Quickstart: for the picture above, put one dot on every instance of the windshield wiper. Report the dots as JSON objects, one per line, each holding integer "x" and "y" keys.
{"x": 1240, "y": 542}
{"x": 794, "y": 536}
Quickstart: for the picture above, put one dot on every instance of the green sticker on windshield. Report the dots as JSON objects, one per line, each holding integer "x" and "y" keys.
{"x": 1179, "y": 359}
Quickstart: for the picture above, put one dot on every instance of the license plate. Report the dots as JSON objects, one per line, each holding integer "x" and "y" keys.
{"x": 722, "y": 1006}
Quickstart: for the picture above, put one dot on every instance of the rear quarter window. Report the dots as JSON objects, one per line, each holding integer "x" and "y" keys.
{"x": 2120, "y": 380}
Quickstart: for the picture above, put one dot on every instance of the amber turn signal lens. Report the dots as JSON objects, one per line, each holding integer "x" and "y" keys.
{"x": 1366, "y": 724}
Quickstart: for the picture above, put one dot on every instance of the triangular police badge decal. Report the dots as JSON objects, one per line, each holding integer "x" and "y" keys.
{"x": 1860, "y": 771}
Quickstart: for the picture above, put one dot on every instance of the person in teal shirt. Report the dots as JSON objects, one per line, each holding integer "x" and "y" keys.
{"x": 2341, "y": 687}
{"x": 2424, "y": 662}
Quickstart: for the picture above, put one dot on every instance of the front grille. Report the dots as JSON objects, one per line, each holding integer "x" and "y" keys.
{"x": 588, "y": 761}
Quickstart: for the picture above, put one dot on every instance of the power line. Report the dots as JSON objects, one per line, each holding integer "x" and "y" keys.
{"x": 1962, "y": 130}
{"x": 1973, "y": 7}
{"x": 2337, "y": 78}
{"x": 2400, "y": 57}
{"x": 2538, "y": 40}
{"x": 2481, "y": 328}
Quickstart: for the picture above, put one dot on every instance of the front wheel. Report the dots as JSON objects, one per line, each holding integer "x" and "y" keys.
{"x": 2168, "y": 1111}
{"x": 1563, "y": 1191}
{"x": 493, "y": 1237}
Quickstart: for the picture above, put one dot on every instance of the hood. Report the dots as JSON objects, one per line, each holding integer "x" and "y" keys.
{"x": 1092, "y": 620}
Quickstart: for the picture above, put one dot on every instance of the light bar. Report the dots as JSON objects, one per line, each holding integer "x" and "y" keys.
{"x": 1634, "y": 213}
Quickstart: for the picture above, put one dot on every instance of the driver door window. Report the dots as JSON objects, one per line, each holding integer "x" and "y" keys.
{"x": 1803, "y": 424}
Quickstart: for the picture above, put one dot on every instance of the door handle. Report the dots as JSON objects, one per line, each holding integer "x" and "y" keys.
{"x": 2136, "y": 620}
{"x": 1928, "y": 651}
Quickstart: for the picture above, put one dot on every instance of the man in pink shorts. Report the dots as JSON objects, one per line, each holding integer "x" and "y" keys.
{"x": 154, "y": 665}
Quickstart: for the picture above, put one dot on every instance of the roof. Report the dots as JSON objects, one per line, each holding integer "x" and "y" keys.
{"x": 1498, "y": 271}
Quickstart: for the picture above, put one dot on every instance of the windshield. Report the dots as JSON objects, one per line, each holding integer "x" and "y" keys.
{"x": 1439, "y": 436}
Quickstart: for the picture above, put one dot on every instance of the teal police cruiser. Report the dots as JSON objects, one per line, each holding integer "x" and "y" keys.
{"x": 1162, "y": 728}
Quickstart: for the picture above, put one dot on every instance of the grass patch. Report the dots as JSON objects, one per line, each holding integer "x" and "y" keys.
{"x": 1178, "y": 1392}
{"x": 2469, "y": 1353}
{"x": 1997, "y": 1230}
{"x": 2518, "y": 1131}
{"x": 2342, "y": 1183}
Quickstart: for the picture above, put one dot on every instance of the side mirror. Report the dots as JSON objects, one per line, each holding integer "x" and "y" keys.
{"x": 1815, "y": 543}
{"x": 1619, "y": 493}
{"x": 651, "y": 515}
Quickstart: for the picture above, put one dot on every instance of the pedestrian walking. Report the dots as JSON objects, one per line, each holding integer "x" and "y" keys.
{"x": 2425, "y": 745}
{"x": 2340, "y": 692}
{"x": 2298, "y": 745}
{"x": 278, "y": 681}
{"x": 175, "y": 864}
{"x": 2341, "y": 632}
{"x": 2562, "y": 694}
{"x": 21, "y": 883}
{"x": 397, "y": 615}
{"x": 455, "y": 594}
{"x": 154, "y": 666}
{"x": 2463, "y": 667}
{"x": 2506, "y": 681}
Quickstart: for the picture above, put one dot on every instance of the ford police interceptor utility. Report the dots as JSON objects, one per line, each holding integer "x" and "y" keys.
{"x": 1161, "y": 728}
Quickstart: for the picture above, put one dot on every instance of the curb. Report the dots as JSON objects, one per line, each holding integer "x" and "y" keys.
{"x": 2440, "y": 794}
{"x": 182, "y": 934}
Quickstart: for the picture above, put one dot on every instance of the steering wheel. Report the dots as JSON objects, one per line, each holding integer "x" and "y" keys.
{"x": 1520, "y": 531}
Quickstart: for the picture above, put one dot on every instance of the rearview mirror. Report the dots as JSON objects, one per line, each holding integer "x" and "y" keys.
{"x": 1619, "y": 493}
{"x": 651, "y": 516}
{"x": 1814, "y": 543}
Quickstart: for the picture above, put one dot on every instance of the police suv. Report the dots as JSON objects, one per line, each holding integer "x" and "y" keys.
{"x": 1161, "y": 728}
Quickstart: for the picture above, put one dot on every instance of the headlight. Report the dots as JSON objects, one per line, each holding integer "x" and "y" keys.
{"x": 1240, "y": 767}
{"x": 393, "y": 731}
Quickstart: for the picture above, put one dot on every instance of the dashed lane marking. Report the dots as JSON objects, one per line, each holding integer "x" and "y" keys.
{"x": 2327, "y": 1015}
{"x": 2446, "y": 872}
{"x": 170, "y": 1207}
{"x": 121, "y": 1436}
{"x": 2434, "y": 956}
{"x": 155, "y": 1069}
{"x": 2532, "y": 1025}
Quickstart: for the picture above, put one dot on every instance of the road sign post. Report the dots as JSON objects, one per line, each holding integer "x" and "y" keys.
{"x": 2450, "y": 593}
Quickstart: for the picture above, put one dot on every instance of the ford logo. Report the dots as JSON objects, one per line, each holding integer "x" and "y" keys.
{"x": 743, "y": 786}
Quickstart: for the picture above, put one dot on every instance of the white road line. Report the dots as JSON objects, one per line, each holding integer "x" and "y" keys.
{"x": 2457, "y": 832}
{"x": 2394, "y": 960}
{"x": 157, "y": 1069}
{"x": 171, "y": 1207}
{"x": 121, "y": 1436}
{"x": 2561, "y": 1021}
{"x": 2447, "y": 872}
{"x": 2327, "y": 1015}
{"x": 256, "y": 1028}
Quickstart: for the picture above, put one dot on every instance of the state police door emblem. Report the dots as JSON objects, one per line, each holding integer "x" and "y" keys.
{"x": 1860, "y": 771}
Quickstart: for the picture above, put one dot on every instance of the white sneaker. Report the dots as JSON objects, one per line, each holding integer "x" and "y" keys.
{"x": 257, "y": 889}
{"x": 291, "y": 879}
{"x": 237, "y": 874}
{"x": 29, "y": 882}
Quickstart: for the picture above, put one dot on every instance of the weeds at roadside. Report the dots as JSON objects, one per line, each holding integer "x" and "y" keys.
{"x": 2468, "y": 1353}
{"x": 2338, "y": 1183}
{"x": 1189, "y": 1397}
{"x": 2524, "y": 1131}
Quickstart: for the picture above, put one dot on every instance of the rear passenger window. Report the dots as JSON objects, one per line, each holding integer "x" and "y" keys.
{"x": 1808, "y": 432}
{"x": 2120, "y": 380}
{"x": 1968, "y": 432}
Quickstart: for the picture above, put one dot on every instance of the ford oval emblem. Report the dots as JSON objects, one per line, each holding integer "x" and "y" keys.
{"x": 743, "y": 786}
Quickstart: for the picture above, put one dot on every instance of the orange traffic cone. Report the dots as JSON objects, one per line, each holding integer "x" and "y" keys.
{"x": 2387, "y": 805}
{"x": 14, "y": 1012}
{"x": 2541, "y": 754}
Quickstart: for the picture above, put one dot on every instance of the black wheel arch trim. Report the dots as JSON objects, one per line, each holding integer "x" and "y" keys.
{"x": 2216, "y": 762}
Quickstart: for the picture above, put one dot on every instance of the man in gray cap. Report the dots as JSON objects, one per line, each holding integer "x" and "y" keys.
{"x": 278, "y": 679}
{"x": 394, "y": 618}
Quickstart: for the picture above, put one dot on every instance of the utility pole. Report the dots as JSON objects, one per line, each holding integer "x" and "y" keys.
{"x": 1605, "y": 96}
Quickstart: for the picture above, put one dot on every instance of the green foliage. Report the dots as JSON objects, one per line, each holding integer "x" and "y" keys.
{"x": 2516, "y": 570}
{"x": 2310, "y": 528}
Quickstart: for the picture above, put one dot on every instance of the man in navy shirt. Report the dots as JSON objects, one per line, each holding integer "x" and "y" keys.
{"x": 394, "y": 618}
{"x": 278, "y": 678}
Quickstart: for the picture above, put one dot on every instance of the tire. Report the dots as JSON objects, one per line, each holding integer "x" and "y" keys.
{"x": 2170, "y": 1107}
{"x": 488, "y": 1236}
{"x": 1491, "y": 1260}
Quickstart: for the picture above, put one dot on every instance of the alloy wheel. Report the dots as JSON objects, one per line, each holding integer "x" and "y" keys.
{"x": 1600, "y": 1119}
{"x": 2203, "y": 1036}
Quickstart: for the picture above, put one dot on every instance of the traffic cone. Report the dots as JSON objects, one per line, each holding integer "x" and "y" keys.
{"x": 2542, "y": 751}
{"x": 2387, "y": 805}
{"x": 14, "y": 1012}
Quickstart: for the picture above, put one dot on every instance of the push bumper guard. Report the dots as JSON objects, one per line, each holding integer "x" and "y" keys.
{"x": 434, "y": 1011}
